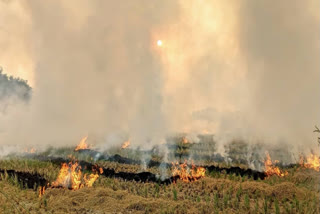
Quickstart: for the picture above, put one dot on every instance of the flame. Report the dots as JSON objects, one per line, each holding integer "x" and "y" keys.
{"x": 205, "y": 131}
{"x": 64, "y": 178}
{"x": 100, "y": 170}
{"x": 82, "y": 145}
{"x": 301, "y": 161}
{"x": 185, "y": 140}
{"x": 76, "y": 175}
{"x": 70, "y": 176}
{"x": 32, "y": 150}
{"x": 312, "y": 162}
{"x": 185, "y": 173}
{"x": 90, "y": 179}
{"x": 126, "y": 144}
{"x": 41, "y": 191}
{"x": 271, "y": 169}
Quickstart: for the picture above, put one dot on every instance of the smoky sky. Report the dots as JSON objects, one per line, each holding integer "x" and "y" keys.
{"x": 281, "y": 44}
{"x": 238, "y": 69}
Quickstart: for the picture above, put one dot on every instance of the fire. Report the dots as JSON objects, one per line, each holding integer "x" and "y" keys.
{"x": 301, "y": 161}
{"x": 205, "y": 131}
{"x": 185, "y": 140}
{"x": 126, "y": 144}
{"x": 90, "y": 179}
{"x": 82, "y": 145}
{"x": 271, "y": 169}
{"x": 32, "y": 150}
{"x": 70, "y": 176}
{"x": 185, "y": 173}
{"x": 41, "y": 191}
{"x": 312, "y": 162}
{"x": 100, "y": 170}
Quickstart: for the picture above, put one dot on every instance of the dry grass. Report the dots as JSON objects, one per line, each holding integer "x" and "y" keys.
{"x": 216, "y": 193}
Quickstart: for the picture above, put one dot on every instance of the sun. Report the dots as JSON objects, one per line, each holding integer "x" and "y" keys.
{"x": 159, "y": 43}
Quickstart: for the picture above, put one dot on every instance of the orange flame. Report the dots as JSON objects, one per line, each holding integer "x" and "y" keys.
{"x": 41, "y": 191}
{"x": 90, "y": 179}
{"x": 32, "y": 150}
{"x": 185, "y": 173}
{"x": 205, "y": 131}
{"x": 312, "y": 162}
{"x": 100, "y": 170}
{"x": 185, "y": 140}
{"x": 301, "y": 161}
{"x": 70, "y": 176}
{"x": 82, "y": 145}
{"x": 271, "y": 169}
{"x": 126, "y": 144}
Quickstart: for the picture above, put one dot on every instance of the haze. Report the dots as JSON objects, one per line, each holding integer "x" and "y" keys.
{"x": 237, "y": 69}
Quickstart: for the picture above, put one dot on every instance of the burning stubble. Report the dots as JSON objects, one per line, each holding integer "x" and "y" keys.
{"x": 162, "y": 106}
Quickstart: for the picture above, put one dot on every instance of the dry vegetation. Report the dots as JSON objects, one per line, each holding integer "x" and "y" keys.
{"x": 216, "y": 193}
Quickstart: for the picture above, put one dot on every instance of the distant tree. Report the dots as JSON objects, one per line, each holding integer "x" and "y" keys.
{"x": 12, "y": 86}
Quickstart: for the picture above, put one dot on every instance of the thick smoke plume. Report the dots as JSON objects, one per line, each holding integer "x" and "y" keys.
{"x": 238, "y": 69}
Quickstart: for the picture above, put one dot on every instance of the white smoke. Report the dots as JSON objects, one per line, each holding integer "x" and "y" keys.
{"x": 244, "y": 69}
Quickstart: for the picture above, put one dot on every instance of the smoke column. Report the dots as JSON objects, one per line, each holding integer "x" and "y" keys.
{"x": 245, "y": 69}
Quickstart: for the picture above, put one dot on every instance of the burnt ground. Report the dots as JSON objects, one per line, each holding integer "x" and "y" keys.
{"x": 24, "y": 179}
{"x": 151, "y": 177}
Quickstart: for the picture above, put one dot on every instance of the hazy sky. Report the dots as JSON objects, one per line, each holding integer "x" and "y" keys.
{"x": 238, "y": 69}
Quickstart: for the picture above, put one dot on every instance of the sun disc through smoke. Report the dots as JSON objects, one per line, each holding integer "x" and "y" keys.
{"x": 159, "y": 43}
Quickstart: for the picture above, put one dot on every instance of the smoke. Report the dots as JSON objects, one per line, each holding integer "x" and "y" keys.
{"x": 16, "y": 52}
{"x": 285, "y": 49}
{"x": 246, "y": 70}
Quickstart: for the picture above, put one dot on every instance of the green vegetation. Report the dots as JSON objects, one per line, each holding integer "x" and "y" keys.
{"x": 11, "y": 86}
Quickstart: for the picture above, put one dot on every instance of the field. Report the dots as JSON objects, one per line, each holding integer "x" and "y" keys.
{"x": 219, "y": 191}
{"x": 159, "y": 106}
